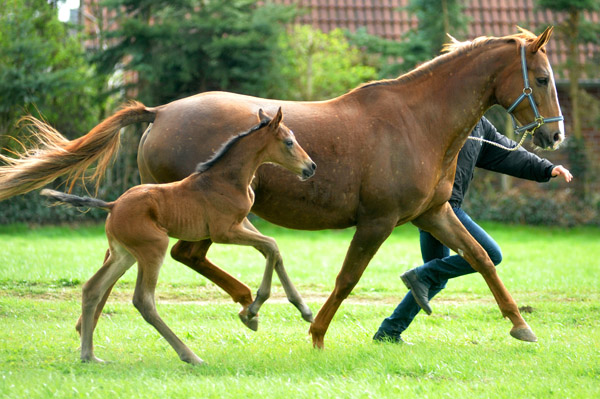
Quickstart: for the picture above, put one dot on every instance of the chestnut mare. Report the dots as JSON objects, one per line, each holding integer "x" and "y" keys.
{"x": 386, "y": 153}
{"x": 211, "y": 203}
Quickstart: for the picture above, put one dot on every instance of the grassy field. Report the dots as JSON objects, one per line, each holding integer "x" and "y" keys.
{"x": 462, "y": 350}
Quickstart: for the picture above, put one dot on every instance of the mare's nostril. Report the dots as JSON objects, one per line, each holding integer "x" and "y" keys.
{"x": 313, "y": 166}
{"x": 556, "y": 136}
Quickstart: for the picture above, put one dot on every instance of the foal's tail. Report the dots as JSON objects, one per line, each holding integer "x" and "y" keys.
{"x": 59, "y": 198}
{"x": 36, "y": 167}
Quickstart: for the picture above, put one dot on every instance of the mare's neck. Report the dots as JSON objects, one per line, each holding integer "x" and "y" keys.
{"x": 457, "y": 92}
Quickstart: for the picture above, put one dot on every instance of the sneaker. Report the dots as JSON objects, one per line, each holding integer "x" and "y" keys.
{"x": 382, "y": 336}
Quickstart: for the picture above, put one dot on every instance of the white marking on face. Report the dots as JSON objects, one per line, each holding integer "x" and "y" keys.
{"x": 561, "y": 124}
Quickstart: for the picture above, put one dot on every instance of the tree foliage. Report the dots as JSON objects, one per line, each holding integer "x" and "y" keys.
{"x": 181, "y": 47}
{"x": 317, "y": 65}
{"x": 43, "y": 70}
{"x": 436, "y": 19}
{"x": 575, "y": 30}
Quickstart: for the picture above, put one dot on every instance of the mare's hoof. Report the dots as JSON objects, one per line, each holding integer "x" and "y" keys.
{"x": 523, "y": 334}
{"x": 318, "y": 339}
{"x": 250, "y": 322}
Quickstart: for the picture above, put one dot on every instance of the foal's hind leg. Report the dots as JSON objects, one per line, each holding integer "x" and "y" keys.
{"x": 150, "y": 257}
{"x": 443, "y": 224}
{"x": 95, "y": 292}
{"x": 290, "y": 290}
{"x": 193, "y": 255}
{"x": 100, "y": 304}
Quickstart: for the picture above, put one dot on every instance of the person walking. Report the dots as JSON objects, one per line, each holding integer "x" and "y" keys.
{"x": 427, "y": 280}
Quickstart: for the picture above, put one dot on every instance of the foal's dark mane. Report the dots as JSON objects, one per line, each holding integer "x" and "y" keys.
{"x": 204, "y": 166}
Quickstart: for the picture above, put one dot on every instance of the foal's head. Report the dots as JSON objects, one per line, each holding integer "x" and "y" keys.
{"x": 283, "y": 149}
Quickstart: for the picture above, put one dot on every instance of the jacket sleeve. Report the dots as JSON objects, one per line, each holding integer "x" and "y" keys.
{"x": 520, "y": 163}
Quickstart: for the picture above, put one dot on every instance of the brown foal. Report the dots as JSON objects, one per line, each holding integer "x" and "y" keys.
{"x": 211, "y": 203}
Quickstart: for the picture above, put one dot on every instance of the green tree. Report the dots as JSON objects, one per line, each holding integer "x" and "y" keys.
{"x": 436, "y": 18}
{"x": 317, "y": 65}
{"x": 43, "y": 70}
{"x": 576, "y": 30}
{"x": 382, "y": 54}
{"x": 181, "y": 47}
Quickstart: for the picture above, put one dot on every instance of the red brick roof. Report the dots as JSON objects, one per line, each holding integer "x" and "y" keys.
{"x": 385, "y": 18}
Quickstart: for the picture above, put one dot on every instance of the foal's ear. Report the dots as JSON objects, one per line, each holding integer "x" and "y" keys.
{"x": 542, "y": 39}
{"x": 262, "y": 117}
{"x": 277, "y": 119}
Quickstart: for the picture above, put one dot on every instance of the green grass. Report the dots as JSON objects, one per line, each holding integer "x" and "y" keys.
{"x": 462, "y": 350}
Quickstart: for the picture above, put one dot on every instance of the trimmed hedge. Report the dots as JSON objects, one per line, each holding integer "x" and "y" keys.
{"x": 31, "y": 208}
{"x": 548, "y": 208}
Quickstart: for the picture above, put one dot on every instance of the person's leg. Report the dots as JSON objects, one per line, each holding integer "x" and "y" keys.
{"x": 438, "y": 267}
{"x": 392, "y": 326}
{"x": 438, "y": 271}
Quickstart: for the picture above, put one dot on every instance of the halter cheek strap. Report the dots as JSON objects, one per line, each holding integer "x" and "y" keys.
{"x": 527, "y": 92}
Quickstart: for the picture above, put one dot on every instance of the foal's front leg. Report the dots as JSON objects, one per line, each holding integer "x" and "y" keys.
{"x": 291, "y": 292}
{"x": 443, "y": 224}
{"x": 246, "y": 234}
{"x": 193, "y": 255}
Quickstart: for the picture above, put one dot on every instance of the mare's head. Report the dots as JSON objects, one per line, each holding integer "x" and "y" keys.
{"x": 283, "y": 149}
{"x": 528, "y": 91}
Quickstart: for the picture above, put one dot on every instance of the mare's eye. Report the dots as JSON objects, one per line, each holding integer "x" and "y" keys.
{"x": 542, "y": 81}
{"x": 289, "y": 143}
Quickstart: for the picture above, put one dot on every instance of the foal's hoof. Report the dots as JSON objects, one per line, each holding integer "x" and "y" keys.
{"x": 523, "y": 334}
{"x": 193, "y": 360}
{"x": 250, "y": 322}
{"x": 307, "y": 314}
{"x": 92, "y": 359}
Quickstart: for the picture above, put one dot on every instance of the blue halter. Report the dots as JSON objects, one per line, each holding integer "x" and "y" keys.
{"x": 527, "y": 92}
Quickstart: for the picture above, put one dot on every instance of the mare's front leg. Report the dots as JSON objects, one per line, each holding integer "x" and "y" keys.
{"x": 193, "y": 255}
{"x": 291, "y": 292}
{"x": 369, "y": 236}
{"x": 443, "y": 224}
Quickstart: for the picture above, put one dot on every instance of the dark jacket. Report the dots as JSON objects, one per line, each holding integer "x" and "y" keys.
{"x": 520, "y": 163}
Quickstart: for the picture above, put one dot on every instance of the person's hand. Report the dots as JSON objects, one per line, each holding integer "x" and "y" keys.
{"x": 562, "y": 171}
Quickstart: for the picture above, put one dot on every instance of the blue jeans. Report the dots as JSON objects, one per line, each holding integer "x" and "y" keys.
{"x": 437, "y": 269}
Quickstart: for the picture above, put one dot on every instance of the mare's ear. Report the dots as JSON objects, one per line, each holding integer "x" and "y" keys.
{"x": 277, "y": 119}
{"x": 542, "y": 39}
{"x": 262, "y": 117}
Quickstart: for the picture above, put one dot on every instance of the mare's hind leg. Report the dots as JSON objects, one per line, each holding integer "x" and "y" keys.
{"x": 150, "y": 257}
{"x": 443, "y": 224}
{"x": 290, "y": 290}
{"x": 193, "y": 255}
{"x": 95, "y": 292}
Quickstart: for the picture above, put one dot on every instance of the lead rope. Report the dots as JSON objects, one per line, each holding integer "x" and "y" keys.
{"x": 500, "y": 145}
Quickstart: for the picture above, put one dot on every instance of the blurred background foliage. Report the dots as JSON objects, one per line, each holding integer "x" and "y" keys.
{"x": 157, "y": 51}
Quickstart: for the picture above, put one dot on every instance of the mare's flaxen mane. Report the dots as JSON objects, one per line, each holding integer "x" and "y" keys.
{"x": 204, "y": 166}
{"x": 450, "y": 51}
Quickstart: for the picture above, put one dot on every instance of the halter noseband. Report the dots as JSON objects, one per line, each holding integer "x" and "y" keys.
{"x": 527, "y": 92}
